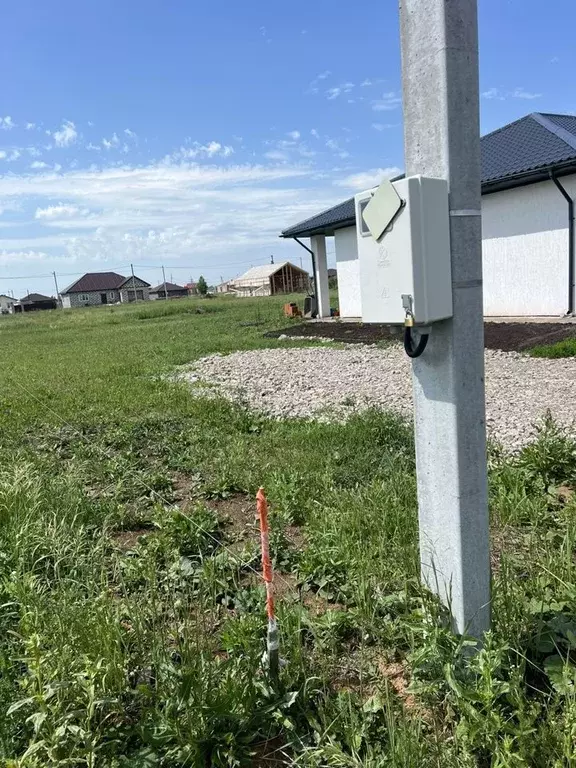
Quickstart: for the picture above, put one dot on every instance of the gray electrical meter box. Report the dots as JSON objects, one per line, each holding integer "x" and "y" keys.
{"x": 403, "y": 232}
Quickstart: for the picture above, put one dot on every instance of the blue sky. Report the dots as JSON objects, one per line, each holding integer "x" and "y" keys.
{"x": 189, "y": 134}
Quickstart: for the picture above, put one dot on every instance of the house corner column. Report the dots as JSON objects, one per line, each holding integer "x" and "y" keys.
{"x": 318, "y": 245}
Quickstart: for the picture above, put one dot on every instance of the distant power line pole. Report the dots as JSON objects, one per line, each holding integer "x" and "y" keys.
{"x": 56, "y": 284}
{"x": 164, "y": 278}
{"x": 133, "y": 282}
{"x": 439, "y": 41}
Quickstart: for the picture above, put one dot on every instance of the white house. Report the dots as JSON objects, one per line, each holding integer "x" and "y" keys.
{"x": 96, "y": 288}
{"x": 6, "y": 304}
{"x": 528, "y": 233}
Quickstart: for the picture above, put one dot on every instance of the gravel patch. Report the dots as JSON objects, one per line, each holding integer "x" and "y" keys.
{"x": 324, "y": 383}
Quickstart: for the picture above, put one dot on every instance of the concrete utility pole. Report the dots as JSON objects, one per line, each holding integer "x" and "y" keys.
{"x": 164, "y": 278}
{"x": 441, "y": 138}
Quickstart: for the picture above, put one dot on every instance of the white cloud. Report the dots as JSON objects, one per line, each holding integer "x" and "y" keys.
{"x": 276, "y": 154}
{"x": 384, "y": 126}
{"x": 497, "y": 94}
{"x": 93, "y": 147}
{"x": 66, "y": 135}
{"x": 30, "y": 126}
{"x": 129, "y": 133}
{"x": 388, "y": 102}
{"x": 334, "y": 146}
{"x": 493, "y": 93}
{"x": 57, "y": 167}
{"x": 521, "y": 93}
{"x": 314, "y": 133}
{"x": 37, "y": 164}
{"x": 6, "y": 123}
{"x": 294, "y": 135}
{"x": 555, "y": 60}
{"x": 163, "y": 210}
{"x": 210, "y": 150}
{"x": 113, "y": 141}
{"x": 333, "y": 93}
{"x": 9, "y": 157}
{"x": 264, "y": 32}
{"x": 313, "y": 86}
{"x": 17, "y": 257}
{"x": 33, "y": 151}
{"x": 367, "y": 179}
{"x": 60, "y": 211}
{"x": 366, "y": 83}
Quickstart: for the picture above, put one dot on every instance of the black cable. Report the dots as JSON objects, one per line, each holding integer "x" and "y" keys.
{"x": 410, "y": 349}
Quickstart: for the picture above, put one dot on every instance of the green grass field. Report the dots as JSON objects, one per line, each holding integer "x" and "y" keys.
{"x": 132, "y": 620}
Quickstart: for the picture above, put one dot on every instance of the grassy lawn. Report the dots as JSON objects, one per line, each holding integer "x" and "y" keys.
{"x": 132, "y": 620}
{"x": 565, "y": 348}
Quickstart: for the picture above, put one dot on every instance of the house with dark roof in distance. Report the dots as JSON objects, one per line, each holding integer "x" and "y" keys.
{"x": 33, "y": 302}
{"x": 168, "y": 291}
{"x": 528, "y": 230}
{"x": 97, "y": 288}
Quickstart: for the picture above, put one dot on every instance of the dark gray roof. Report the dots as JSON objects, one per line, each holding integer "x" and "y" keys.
{"x": 100, "y": 281}
{"x": 96, "y": 281}
{"x": 168, "y": 287}
{"x": 521, "y": 152}
{"x": 341, "y": 215}
{"x": 534, "y": 142}
{"x": 34, "y": 297}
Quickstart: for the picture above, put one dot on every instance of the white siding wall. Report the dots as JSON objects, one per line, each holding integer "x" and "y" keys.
{"x": 525, "y": 250}
{"x": 6, "y": 304}
{"x": 348, "y": 268}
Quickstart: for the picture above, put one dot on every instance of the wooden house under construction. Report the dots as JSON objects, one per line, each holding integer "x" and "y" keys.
{"x": 270, "y": 280}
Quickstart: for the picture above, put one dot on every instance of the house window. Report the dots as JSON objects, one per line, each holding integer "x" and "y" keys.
{"x": 112, "y": 296}
{"x": 84, "y": 297}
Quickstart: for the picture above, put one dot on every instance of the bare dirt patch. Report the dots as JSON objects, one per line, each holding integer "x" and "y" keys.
{"x": 127, "y": 540}
{"x": 508, "y": 337}
{"x": 238, "y": 515}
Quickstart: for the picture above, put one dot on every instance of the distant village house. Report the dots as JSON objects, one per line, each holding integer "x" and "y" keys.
{"x": 97, "y": 288}
{"x": 168, "y": 291}
{"x": 34, "y": 302}
{"x": 6, "y": 304}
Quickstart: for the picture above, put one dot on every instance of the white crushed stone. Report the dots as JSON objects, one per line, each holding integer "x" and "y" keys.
{"x": 324, "y": 383}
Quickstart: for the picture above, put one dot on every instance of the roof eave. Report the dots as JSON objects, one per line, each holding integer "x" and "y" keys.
{"x": 328, "y": 230}
{"x": 488, "y": 187}
{"x": 528, "y": 177}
